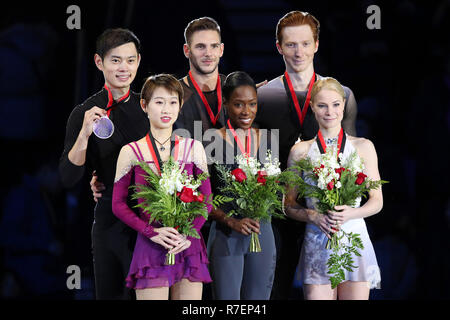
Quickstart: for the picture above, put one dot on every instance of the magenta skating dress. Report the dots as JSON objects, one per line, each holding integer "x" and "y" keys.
{"x": 147, "y": 269}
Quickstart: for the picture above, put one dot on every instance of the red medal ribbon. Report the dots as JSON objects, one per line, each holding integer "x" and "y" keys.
{"x": 153, "y": 153}
{"x": 323, "y": 146}
{"x": 249, "y": 140}
{"x": 109, "y": 107}
{"x": 205, "y": 102}
{"x": 301, "y": 113}
{"x": 177, "y": 143}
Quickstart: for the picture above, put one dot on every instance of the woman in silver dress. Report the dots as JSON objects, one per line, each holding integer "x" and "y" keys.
{"x": 327, "y": 103}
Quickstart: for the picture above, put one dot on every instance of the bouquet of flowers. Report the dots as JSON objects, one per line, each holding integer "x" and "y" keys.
{"x": 333, "y": 184}
{"x": 256, "y": 189}
{"x": 173, "y": 199}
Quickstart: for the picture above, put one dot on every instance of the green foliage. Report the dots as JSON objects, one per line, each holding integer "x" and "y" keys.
{"x": 167, "y": 208}
{"x": 341, "y": 256}
{"x": 348, "y": 194}
{"x": 255, "y": 200}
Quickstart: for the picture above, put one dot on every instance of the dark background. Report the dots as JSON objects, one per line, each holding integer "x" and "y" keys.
{"x": 400, "y": 76}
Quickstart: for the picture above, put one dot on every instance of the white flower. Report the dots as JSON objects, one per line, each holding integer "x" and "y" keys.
{"x": 272, "y": 167}
{"x": 173, "y": 180}
{"x": 179, "y": 185}
{"x": 250, "y": 165}
{"x": 272, "y": 170}
{"x": 321, "y": 183}
{"x": 354, "y": 163}
{"x": 167, "y": 186}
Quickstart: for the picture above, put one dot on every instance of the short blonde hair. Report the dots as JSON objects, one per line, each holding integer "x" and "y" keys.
{"x": 327, "y": 83}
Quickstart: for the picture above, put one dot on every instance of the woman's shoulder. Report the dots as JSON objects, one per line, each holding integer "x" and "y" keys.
{"x": 222, "y": 131}
{"x": 132, "y": 149}
{"x": 360, "y": 142}
{"x": 189, "y": 141}
{"x": 300, "y": 149}
{"x": 363, "y": 145}
{"x": 133, "y": 144}
{"x": 194, "y": 148}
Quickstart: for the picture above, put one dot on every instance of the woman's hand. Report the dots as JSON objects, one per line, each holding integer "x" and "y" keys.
{"x": 340, "y": 215}
{"x": 324, "y": 223}
{"x": 245, "y": 226}
{"x": 168, "y": 237}
{"x": 183, "y": 245}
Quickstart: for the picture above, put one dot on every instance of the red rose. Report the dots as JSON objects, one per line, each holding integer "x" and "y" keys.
{"x": 330, "y": 185}
{"x": 239, "y": 174}
{"x": 340, "y": 170}
{"x": 199, "y": 198}
{"x": 261, "y": 177}
{"x": 317, "y": 169}
{"x": 262, "y": 173}
{"x": 360, "y": 178}
{"x": 187, "y": 195}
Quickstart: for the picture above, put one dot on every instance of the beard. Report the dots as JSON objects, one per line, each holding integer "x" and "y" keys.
{"x": 199, "y": 69}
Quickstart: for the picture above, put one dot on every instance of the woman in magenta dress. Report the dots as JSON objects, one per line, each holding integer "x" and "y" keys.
{"x": 161, "y": 99}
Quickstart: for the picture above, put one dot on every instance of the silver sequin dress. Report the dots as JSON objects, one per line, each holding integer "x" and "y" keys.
{"x": 312, "y": 266}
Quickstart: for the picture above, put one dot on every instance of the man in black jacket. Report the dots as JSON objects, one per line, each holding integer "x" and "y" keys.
{"x": 117, "y": 56}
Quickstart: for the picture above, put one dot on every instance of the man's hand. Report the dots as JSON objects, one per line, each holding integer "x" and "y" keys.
{"x": 261, "y": 84}
{"x": 96, "y": 186}
{"x": 90, "y": 117}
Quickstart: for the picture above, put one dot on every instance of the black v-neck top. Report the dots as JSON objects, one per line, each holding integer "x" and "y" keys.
{"x": 193, "y": 110}
{"x": 130, "y": 124}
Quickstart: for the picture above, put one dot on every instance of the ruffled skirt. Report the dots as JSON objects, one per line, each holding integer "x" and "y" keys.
{"x": 147, "y": 269}
{"x": 313, "y": 269}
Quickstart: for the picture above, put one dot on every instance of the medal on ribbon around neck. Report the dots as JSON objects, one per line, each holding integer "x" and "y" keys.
{"x": 104, "y": 128}
{"x": 301, "y": 113}
{"x": 194, "y": 84}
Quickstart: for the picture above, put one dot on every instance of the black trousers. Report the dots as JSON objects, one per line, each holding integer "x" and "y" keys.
{"x": 112, "y": 249}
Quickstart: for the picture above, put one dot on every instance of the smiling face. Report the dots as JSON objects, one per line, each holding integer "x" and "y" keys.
{"x": 242, "y": 107}
{"x": 328, "y": 108}
{"x": 298, "y": 47}
{"x": 162, "y": 109}
{"x": 119, "y": 66}
{"x": 204, "y": 51}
